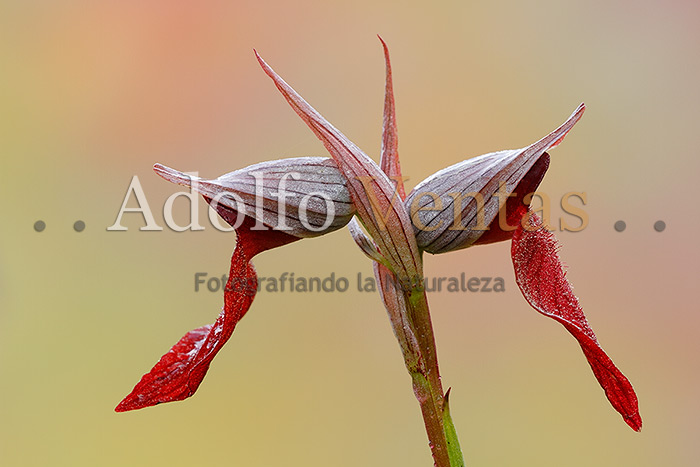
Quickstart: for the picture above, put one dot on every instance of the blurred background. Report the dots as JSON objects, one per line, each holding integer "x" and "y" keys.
{"x": 94, "y": 93}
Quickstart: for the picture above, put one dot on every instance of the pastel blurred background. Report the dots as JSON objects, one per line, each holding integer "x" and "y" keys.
{"x": 94, "y": 93}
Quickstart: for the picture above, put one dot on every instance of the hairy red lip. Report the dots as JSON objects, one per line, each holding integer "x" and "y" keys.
{"x": 178, "y": 373}
{"x": 542, "y": 280}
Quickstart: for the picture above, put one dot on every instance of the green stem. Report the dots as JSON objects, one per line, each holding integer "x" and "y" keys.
{"x": 410, "y": 320}
{"x": 427, "y": 385}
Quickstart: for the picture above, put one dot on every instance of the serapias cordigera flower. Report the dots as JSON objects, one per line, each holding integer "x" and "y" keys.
{"x": 311, "y": 200}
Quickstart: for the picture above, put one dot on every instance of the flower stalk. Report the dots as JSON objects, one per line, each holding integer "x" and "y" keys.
{"x": 410, "y": 320}
{"x": 427, "y": 387}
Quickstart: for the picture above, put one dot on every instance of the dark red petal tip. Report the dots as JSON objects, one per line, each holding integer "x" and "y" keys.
{"x": 170, "y": 379}
{"x": 542, "y": 280}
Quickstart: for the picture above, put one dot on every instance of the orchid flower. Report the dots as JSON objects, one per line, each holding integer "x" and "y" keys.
{"x": 477, "y": 201}
{"x": 254, "y": 211}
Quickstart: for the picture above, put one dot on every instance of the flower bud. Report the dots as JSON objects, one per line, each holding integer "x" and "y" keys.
{"x": 303, "y": 197}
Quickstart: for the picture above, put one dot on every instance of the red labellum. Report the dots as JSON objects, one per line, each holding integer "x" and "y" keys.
{"x": 542, "y": 280}
{"x": 178, "y": 373}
